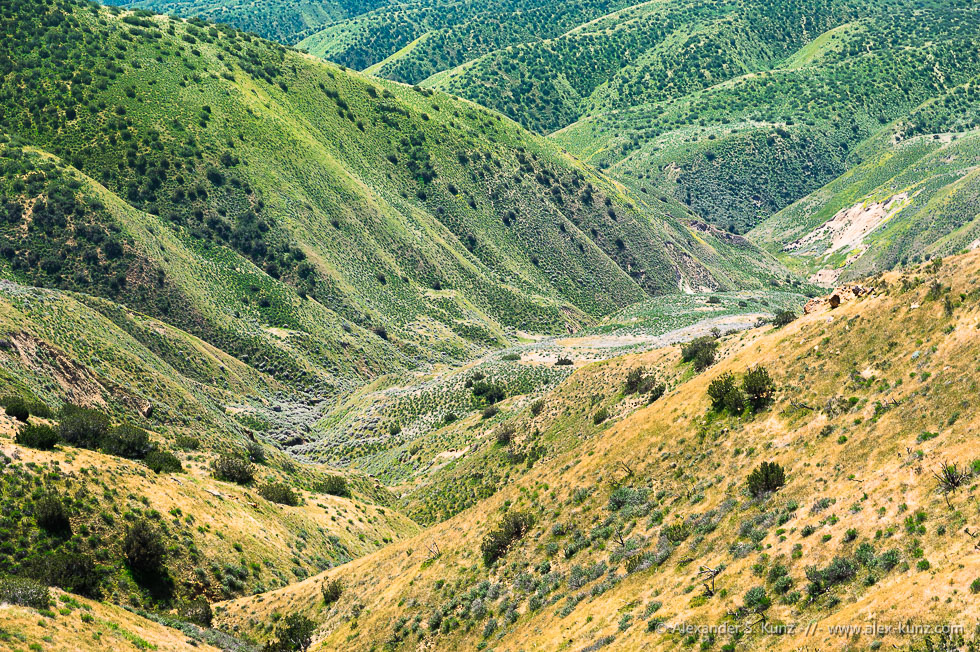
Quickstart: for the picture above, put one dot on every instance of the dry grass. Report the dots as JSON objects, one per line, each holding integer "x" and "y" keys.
{"x": 876, "y": 477}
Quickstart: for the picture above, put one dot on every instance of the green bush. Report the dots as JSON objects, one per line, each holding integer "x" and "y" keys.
{"x": 51, "y": 515}
{"x": 24, "y": 592}
{"x": 14, "y": 406}
{"x": 197, "y": 611}
{"x": 188, "y": 442}
{"x": 332, "y": 590}
{"x": 277, "y": 492}
{"x": 700, "y": 352}
{"x": 513, "y": 526}
{"x": 37, "y": 436}
{"x": 163, "y": 462}
{"x": 233, "y": 469}
{"x": 333, "y": 485}
{"x": 82, "y": 427}
{"x": 759, "y": 388}
{"x": 255, "y": 452}
{"x": 726, "y": 395}
{"x": 975, "y": 586}
{"x": 783, "y": 317}
{"x": 600, "y": 416}
{"x": 144, "y": 550}
{"x": 766, "y": 478}
{"x": 127, "y": 441}
{"x": 76, "y": 572}
{"x": 294, "y": 634}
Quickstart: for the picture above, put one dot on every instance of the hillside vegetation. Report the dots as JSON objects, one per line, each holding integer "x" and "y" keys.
{"x": 845, "y": 496}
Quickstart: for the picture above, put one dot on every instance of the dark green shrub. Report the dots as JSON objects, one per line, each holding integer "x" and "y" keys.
{"x": 277, "y": 492}
{"x": 726, "y": 395}
{"x": 490, "y": 393}
{"x": 144, "y": 550}
{"x": 14, "y": 406}
{"x": 255, "y": 452}
{"x": 513, "y": 526}
{"x": 537, "y": 407}
{"x": 188, "y": 443}
{"x": 197, "y": 611}
{"x": 700, "y": 352}
{"x": 332, "y": 590}
{"x": 975, "y": 586}
{"x": 759, "y": 388}
{"x": 163, "y": 462}
{"x": 37, "y": 436}
{"x": 294, "y": 634}
{"x": 564, "y": 362}
{"x": 766, "y": 478}
{"x": 233, "y": 469}
{"x": 505, "y": 434}
{"x": 783, "y": 317}
{"x": 24, "y": 592}
{"x": 634, "y": 380}
{"x": 51, "y": 515}
{"x": 490, "y": 412}
{"x": 127, "y": 441}
{"x": 600, "y": 416}
{"x": 334, "y": 485}
{"x": 82, "y": 427}
{"x": 76, "y": 572}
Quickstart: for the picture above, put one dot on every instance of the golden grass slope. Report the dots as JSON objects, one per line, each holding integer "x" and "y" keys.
{"x": 907, "y": 357}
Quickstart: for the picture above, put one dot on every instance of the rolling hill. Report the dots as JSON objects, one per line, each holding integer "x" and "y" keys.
{"x": 648, "y": 533}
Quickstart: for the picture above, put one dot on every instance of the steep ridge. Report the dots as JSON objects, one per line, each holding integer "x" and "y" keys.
{"x": 648, "y": 530}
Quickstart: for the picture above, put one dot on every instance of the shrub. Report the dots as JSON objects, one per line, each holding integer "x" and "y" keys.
{"x": 600, "y": 416}
{"x": 254, "y": 452}
{"x": 233, "y": 469}
{"x": 975, "y": 586}
{"x": 334, "y": 485}
{"x": 197, "y": 611}
{"x": 14, "y": 406}
{"x": 700, "y": 352}
{"x": 563, "y": 362}
{"x": 277, "y": 492}
{"x": 513, "y": 526}
{"x": 295, "y": 633}
{"x": 71, "y": 571}
{"x": 759, "y": 388}
{"x": 766, "y": 478}
{"x": 163, "y": 462}
{"x": 332, "y": 590}
{"x": 37, "y": 436}
{"x": 725, "y": 394}
{"x": 82, "y": 427}
{"x": 127, "y": 441}
{"x": 757, "y": 600}
{"x": 24, "y": 592}
{"x": 505, "y": 434}
{"x": 188, "y": 443}
{"x": 51, "y": 515}
{"x": 783, "y": 317}
{"x": 634, "y": 380}
{"x": 144, "y": 550}
{"x": 490, "y": 412}
{"x": 537, "y": 406}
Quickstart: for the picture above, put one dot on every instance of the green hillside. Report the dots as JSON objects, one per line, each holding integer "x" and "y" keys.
{"x": 344, "y": 206}
{"x": 282, "y": 21}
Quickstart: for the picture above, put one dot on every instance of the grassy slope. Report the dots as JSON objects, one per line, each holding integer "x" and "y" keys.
{"x": 865, "y": 465}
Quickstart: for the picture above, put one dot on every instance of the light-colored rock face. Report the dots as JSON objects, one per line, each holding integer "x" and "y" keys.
{"x": 848, "y": 228}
